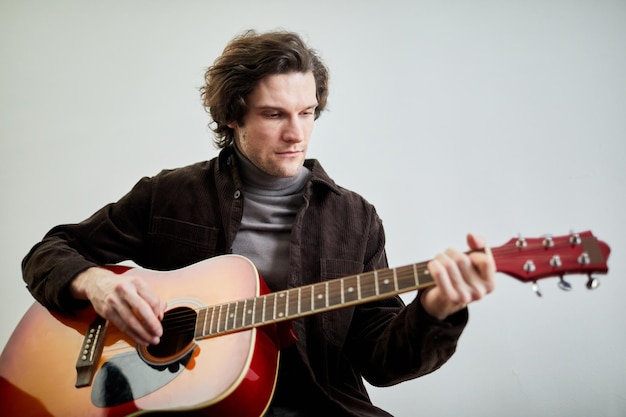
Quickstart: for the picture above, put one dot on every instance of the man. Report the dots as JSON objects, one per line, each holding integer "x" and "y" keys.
{"x": 260, "y": 198}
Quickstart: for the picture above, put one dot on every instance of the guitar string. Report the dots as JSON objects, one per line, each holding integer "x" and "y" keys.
{"x": 181, "y": 322}
{"x": 178, "y": 322}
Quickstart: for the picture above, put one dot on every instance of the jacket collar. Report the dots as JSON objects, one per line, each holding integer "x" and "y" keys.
{"x": 320, "y": 176}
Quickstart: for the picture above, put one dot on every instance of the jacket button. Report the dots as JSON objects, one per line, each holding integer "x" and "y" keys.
{"x": 237, "y": 194}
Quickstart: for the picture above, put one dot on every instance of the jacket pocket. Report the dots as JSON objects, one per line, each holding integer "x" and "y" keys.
{"x": 336, "y": 324}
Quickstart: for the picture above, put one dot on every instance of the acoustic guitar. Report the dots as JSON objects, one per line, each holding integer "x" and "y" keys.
{"x": 220, "y": 349}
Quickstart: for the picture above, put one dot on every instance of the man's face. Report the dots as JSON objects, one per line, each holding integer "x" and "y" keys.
{"x": 278, "y": 123}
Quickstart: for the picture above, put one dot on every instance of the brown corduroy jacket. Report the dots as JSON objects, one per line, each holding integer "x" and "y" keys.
{"x": 185, "y": 215}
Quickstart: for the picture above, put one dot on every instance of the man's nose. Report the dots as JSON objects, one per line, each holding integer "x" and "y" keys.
{"x": 294, "y": 130}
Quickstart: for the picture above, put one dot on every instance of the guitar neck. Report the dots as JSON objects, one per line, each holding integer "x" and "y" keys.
{"x": 527, "y": 260}
{"x": 311, "y": 299}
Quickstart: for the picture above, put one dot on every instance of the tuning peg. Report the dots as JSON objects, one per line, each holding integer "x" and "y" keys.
{"x": 592, "y": 283}
{"x": 574, "y": 238}
{"x": 548, "y": 242}
{"x": 564, "y": 285}
{"x": 536, "y": 289}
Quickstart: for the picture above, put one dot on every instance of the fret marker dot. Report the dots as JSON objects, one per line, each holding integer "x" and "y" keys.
{"x": 319, "y": 297}
{"x": 281, "y": 295}
{"x": 249, "y": 311}
{"x": 350, "y": 289}
{"x": 280, "y": 314}
{"x": 231, "y": 315}
{"x": 386, "y": 282}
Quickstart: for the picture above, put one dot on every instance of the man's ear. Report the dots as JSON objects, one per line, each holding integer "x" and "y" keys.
{"x": 233, "y": 124}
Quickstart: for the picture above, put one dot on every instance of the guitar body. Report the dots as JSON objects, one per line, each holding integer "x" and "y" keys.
{"x": 218, "y": 355}
{"x": 229, "y": 375}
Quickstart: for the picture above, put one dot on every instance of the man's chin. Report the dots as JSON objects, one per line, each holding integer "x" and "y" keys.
{"x": 286, "y": 172}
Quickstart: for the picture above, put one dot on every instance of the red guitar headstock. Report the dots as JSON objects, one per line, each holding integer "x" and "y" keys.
{"x": 530, "y": 260}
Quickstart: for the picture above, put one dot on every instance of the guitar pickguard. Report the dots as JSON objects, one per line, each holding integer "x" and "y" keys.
{"x": 126, "y": 377}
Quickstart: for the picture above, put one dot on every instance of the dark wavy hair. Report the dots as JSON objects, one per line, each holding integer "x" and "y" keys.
{"x": 246, "y": 60}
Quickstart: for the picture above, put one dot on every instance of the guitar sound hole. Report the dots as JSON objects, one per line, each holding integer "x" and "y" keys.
{"x": 179, "y": 325}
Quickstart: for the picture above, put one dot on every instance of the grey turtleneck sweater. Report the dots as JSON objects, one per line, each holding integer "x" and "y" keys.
{"x": 271, "y": 204}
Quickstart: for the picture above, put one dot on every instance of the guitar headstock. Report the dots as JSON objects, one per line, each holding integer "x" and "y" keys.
{"x": 532, "y": 259}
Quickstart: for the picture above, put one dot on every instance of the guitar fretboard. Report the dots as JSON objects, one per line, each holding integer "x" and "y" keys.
{"x": 525, "y": 259}
{"x": 310, "y": 299}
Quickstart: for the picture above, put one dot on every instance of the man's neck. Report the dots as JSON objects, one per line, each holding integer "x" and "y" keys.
{"x": 256, "y": 179}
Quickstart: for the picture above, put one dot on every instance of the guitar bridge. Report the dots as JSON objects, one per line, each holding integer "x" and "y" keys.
{"x": 90, "y": 352}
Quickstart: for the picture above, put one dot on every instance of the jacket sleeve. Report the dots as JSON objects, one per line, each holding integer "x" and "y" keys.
{"x": 390, "y": 342}
{"x": 113, "y": 234}
{"x": 395, "y": 343}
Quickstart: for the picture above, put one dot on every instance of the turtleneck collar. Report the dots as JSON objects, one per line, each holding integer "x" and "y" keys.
{"x": 256, "y": 180}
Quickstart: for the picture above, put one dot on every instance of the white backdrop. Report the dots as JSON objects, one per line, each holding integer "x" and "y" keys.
{"x": 499, "y": 117}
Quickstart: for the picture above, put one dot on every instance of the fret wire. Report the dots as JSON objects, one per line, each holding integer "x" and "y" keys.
{"x": 225, "y": 319}
{"x": 243, "y": 315}
{"x": 227, "y": 316}
{"x": 370, "y": 285}
{"x": 255, "y": 318}
{"x": 212, "y": 319}
{"x": 264, "y": 302}
{"x": 200, "y": 319}
{"x": 342, "y": 289}
{"x": 231, "y": 316}
{"x": 219, "y": 318}
{"x": 253, "y": 310}
{"x": 274, "y": 308}
{"x": 376, "y": 282}
{"x": 299, "y": 300}
{"x": 315, "y": 295}
{"x": 326, "y": 290}
{"x": 238, "y": 308}
{"x": 206, "y": 313}
{"x": 395, "y": 278}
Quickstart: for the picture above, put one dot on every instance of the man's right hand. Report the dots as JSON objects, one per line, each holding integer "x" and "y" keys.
{"x": 126, "y": 301}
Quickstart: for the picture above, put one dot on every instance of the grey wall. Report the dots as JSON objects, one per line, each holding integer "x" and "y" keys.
{"x": 499, "y": 117}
